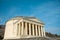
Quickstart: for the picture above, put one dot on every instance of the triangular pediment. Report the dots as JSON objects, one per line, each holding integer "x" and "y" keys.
{"x": 35, "y": 20}
{"x": 27, "y": 18}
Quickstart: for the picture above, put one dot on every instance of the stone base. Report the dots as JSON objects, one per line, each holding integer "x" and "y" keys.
{"x": 35, "y": 38}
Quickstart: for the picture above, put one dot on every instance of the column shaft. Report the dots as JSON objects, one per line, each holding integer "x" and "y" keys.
{"x": 36, "y": 30}
{"x": 39, "y": 29}
{"x": 29, "y": 29}
{"x": 26, "y": 27}
{"x": 19, "y": 29}
{"x": 22, "y": 29}
{"x": 33, "y": 29}
{"x": 43, "y": 31}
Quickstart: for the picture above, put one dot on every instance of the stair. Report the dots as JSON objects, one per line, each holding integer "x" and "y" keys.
{"x": 35, "y": 38}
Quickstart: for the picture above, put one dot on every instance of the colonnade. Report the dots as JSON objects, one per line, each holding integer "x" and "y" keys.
{"x": 30, "y": 29}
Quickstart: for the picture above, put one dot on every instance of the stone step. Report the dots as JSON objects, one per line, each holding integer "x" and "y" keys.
{"x": 36, "y": 38}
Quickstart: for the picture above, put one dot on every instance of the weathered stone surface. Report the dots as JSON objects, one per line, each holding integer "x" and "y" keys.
{"x": 24, "y": 27}
{"x": 36, "y": 38}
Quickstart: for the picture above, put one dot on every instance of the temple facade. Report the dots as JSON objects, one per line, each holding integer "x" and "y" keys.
{"x": 24, "y": 27}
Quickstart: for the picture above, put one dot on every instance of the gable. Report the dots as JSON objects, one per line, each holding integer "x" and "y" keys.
{"x": 35, "y": 20}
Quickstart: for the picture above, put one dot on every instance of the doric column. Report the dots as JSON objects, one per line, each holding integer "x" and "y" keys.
{"x": 44, "y": 33}
{"x": 29, "y": 29}
{"x": 26, "y": 27}
{"x": 36, "y": 30}
{"x": 33, "y": 29}
{"x": 42, "y": 30}
{"x": 39, "y": 29}
{"x": 19, "y": 29}
{"x": 22, "y": 29}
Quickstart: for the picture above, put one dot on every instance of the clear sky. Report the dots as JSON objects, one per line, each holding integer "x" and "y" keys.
{"x": 46, "y": 10}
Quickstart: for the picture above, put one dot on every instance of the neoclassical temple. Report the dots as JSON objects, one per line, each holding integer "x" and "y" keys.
{"x": 24, "y": 27}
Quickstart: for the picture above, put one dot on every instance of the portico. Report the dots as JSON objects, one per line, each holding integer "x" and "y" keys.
{"x": 24, "y": 27}
{"x": 30, "y": 29}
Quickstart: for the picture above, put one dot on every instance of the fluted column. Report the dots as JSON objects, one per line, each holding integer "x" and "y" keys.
{"x": 29, "y": 29}
{"x": 36, "y": 30}
{"x": 44, "y": 33}
{"x": 39, "y": 29}
{"x": 33, "y": 29}
{"x": 26, "y": 27}
{"x": 42, "y": 30}
{"x": 22, "y": 29}
{"x": 19, "y": 29}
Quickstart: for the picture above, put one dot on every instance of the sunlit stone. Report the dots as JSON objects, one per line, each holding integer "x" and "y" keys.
{"x": 24, "y": 27}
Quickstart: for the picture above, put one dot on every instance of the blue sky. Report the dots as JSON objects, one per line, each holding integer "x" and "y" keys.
{"x": 46, "y": 10}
